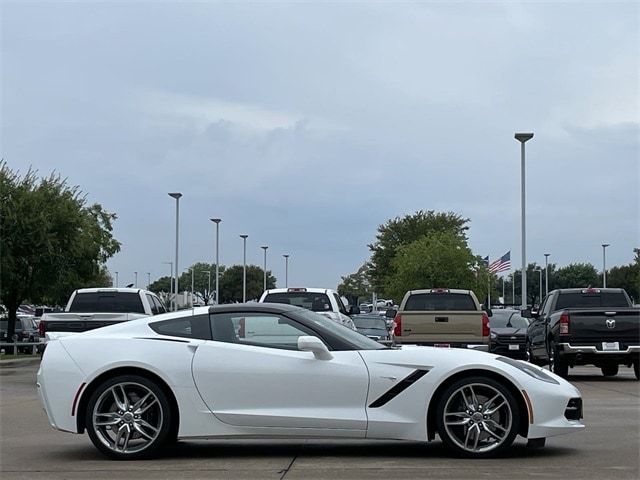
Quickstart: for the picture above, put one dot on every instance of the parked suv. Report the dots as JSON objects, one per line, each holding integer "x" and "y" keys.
{"x": 321, "y": 300}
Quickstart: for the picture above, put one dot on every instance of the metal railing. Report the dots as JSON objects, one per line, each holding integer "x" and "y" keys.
{"x": 15, "y": 345}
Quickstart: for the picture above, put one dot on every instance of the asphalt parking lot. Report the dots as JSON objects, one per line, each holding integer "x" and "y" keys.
{"x": 608, "y": 448}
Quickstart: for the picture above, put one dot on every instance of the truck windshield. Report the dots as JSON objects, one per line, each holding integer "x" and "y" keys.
{"x": 107, "y": 302}
{"x": 440, "y": 301}
{"x": 599, "y": 299}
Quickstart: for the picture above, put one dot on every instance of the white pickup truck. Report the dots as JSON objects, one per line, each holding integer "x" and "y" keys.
{"x": 90, "y": 308}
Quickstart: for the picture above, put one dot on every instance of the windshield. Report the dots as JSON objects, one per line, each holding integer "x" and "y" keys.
{"x": 316, "y": 302}
{"x": 440, "y": 301}
{"x": 361, "y": 342}
{"x": 370, "y": 322}
{"x": 502, "y": 319}
{"x": 596, "y": 299}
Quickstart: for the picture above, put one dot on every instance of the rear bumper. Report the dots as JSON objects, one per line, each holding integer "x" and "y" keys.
{"x": 590, "y": 349}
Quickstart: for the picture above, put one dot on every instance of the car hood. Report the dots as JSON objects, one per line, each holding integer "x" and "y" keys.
{"x": 509, "y": 331}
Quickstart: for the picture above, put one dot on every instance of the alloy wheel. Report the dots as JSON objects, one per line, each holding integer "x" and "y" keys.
{"x": 127, "y": 417}
{"x": 478, "y": 418}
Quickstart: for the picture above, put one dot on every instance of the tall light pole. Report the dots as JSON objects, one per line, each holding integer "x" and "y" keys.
{"x": 177, "y": 196}
{"x": 513, "y": 288}
{"x": 244, "y": 268}
{"x": 136, "y": 281}
{"x": 193, "y": 272}
{"x": 116, "y": 279}
{"x": 523, "y": 138}
{"x": 170, "y": 284}
{"x": 264, "y": 288}
{"x": 604, "y": 265}
{"x": 217, "y": 222}
{"x": 546, "y": 274}
{"x": 286, "y": 269}
{"x": 209, "y": 287}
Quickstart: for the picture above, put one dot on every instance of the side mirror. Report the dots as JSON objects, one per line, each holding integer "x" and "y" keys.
{"x": 315, "y": 345}
{"x": 391, "y": 313}
{"x": 527, "y": 313}
{"x": 353, "y": 310}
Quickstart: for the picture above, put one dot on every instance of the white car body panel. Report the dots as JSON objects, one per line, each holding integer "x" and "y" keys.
{"x": 269, "y": 387}
{"x": 227, "y": 390}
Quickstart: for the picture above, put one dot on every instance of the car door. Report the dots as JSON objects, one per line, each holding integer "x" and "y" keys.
{"x": 538, "y": 329}
{"x": 252, "y": 374}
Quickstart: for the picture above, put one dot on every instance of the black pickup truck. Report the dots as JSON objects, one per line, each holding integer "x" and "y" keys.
{"x": 588, "y": 326}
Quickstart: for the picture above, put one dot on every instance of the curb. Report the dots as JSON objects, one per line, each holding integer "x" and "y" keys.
{"x": 20, "y": 362}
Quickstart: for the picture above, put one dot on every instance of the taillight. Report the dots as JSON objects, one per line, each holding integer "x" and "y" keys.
{"x": 485, "y": 325}
{"x": 397, "y": 330}
{"x": 42, "y": 327}
{"x": 564, "y": 324}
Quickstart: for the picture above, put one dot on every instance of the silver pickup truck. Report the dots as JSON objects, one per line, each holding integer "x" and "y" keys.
{"x": 441, "y": 317}
{"x": 90, "y": 308}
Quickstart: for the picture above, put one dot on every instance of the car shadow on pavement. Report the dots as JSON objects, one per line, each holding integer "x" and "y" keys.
{"x": 346, "y": 449}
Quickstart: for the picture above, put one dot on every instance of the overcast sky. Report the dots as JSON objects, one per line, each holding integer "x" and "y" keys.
{"x": 306, "y": 125}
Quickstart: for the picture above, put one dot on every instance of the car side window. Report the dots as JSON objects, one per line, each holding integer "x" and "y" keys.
{"x": 187, "y": 327}
{"x": 341, "y": 307}
{"x": 258, "y": 329}
{"x": 546, "y": 307}
{"x": 152, "y": 305}
{"x": 159, "y": 305}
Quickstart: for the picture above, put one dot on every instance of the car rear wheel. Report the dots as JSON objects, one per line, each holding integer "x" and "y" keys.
{"x": 128, "y": 417}
{"x": 609, "y": 370}
{"x": 477, "y": 417}
{"x": 636, "y": 369}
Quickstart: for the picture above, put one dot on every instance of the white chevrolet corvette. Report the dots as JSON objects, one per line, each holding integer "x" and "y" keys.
{"x": 269, "y": 370}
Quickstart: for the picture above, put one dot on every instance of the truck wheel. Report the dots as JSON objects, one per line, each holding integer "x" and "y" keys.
{"x": 558, "y": 363}
{"x": 636, "y": 369}
{"x": 609, "y": 370}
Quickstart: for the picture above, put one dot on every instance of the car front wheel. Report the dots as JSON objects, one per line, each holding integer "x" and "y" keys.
{"x": 128, "y": 417}
{"x": 477, "y": 417}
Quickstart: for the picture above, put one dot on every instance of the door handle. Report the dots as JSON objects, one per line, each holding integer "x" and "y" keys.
{"x": 442, "y": 319}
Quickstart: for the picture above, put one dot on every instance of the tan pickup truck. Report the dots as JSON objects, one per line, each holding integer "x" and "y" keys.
{"x": 443, "y": 318}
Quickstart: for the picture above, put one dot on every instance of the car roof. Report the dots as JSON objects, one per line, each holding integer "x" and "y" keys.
{"x": 431, "y": 290}
{"x": 111, "y": 290}
{"x": 253, "y": 307}
{"x": 299, "y": 290}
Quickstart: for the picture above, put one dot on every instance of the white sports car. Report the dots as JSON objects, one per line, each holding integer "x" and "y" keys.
{"x": 271, "y": 370}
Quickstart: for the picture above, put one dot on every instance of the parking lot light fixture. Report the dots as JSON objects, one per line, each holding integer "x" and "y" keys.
{"x": 265, "y": 267}
{"x": 286, "y": 270}
{"x": 177, "y": 196}
{"x": 604, "y": 265}
{"x": 148, "y": 280}
{"x": 546, "y": 274}
{"x": 217, "y": 222}
{"x": 244, "y": 268}
{"x": 523, "y": 138}
{"x": 136, "y": 279}
{"x": 116, "y": 279}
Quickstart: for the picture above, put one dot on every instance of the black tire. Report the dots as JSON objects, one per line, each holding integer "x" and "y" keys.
{"x": 609, "y": 370}
{"x": 161, "y": 417}
{"x": 636, "y": 369}
{"x": 450, "y": 399}
{"x": 558, "y": 363}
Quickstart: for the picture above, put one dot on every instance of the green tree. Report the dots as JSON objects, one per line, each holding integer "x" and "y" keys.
{"x": 399, "y": 231}
{"x": 51, "y": 241}
{"x": 440, "y": 259}
{"x": 627, "y": 277}
{"x": 231, "y": 283}
{"x": 357, "y": 285}
{"x": 576, "y": 275}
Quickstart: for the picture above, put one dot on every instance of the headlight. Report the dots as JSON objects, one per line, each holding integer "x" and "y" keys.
{"x": 530, "y": 370}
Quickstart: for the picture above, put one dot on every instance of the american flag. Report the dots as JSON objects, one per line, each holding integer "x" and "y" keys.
{"x": 502, "y": 264}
